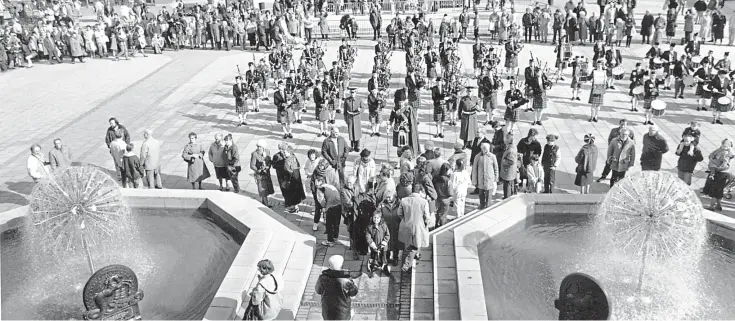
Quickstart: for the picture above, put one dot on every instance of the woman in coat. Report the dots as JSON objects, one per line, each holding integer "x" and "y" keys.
{"x": 586, "y": 161}
{"x": 405, "y": 183}
{"x": 509, "y": 168}
{"x": 389, "y": 211}
{"x": 378, "y": 237}
{"x": 385, "y": 185}
{"x": 193, "y": 155}
{"x": 718, "y": 26}
{"x": 324, "y": 26}
{"x": 288, "y": 172}
{"x": 423, "y": 177}
{"x": 671, "y": 24}
{"x": 620, "y": 155}
{"x": 267, "y": 293}
{"x": 260, "y": 164}
{"x": 364, "y": 171}
{"x": 75, "y": 46}
{"x": 719, "y": 177}
{"x": 688, "y": 25}
{"x": 413, "y": 231}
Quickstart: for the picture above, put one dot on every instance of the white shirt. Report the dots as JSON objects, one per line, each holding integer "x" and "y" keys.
{"x": 36, "y": 167}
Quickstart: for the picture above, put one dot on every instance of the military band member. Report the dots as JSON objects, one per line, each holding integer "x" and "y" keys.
{"x": 468, "y": 109}
{"x": 669, "y": 59}
{"x": 489, "y": 85}
{"x": 404, "y": 126}
{"x": 284, "y": 109}
{"x": 375, "y": 111}
{"x": 540, "y": 85}
{"x": 513, "y": 102}
{"x": 528, "y": 76}
{"x": 440, "y": 98}
{"x": 724, "y": 63}
{"x": 330, "y": 90}
{"x": 339, "y": 80}
{"x": 321, "y": 107}
{"x": 413, "y": 86}
{"x": 597, "y": 92}
{"x": 576, "y": 83}
{"x": 353, "y": 108}
{"x": 240, "y": 91}
{"x": 613, "y": 59}
{"x": 680, "y": 71}
{"x": 344, "y": 52}
{"x": 373, "y": 82}
{"x": 702, "y": 80}
{"x": 293, "y": 89}
{"x": 650, "y": 93}
{"x": 477, "y": 56}
{"x": 253, "y": 80}
{"x": 512, "y": 48}
{"x": 636, "y": 80}
{"x": 262, "y": 71}
{"x": 709, "y": 63}
{"x": 653, "y": 53}
{"x": 275, "y": 61}
{"x": 432, "y": 59}
{"x": 720, "y": 86}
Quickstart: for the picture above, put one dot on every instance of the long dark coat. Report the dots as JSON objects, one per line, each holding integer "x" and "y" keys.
{"x": 288, "y": 172}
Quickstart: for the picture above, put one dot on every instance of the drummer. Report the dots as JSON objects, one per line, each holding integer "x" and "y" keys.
{"x": 679, "y": 72}
{"x": 693, "y": 46}
{"x": 653, "y": 54}
{"x": 650, "y": 93}
{"x": 636, "y": 81}
{"x": 709, "y": 63}
{"x": 668, "y": 58}
{"x": 724, "y": 63}
{"x": 613, "y": 59}
{"x": 702, "y": 92}
{"x": 720, "y": 87}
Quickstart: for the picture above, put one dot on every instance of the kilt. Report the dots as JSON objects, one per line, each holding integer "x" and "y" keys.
{"x": 440, "y": 112}
{"x": 702, "y": 93}
{"x": 322, "y": 113}
{"x": 597, "y": 97}
{"x": 647, "y": 102}
{"x": 452, "y": 105}
{"x": 285, "y": 116}
{"x": 255, "y": 92}
{"x": 511, "y": 114}
{"x": 511, "y": 62}
{"x": 539, "y": 101}
{"x": 576, "y": 84}
{"x": 375, "y": 116}
{"x": 717, "y": 107}
{"x": 240, "y": 106}
{"x": 490, "y": 102}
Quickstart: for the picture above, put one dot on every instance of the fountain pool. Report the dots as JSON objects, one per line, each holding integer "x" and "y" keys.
{"x": 523, "y": 266}
{"x": 180, "y": 256}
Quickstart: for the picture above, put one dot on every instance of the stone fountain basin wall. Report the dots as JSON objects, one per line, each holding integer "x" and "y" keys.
{"x": 458, "y": 288}
{"x": 269, "y": 236}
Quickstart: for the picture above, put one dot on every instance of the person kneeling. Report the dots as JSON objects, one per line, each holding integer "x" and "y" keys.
{"x": 378, "y": 237}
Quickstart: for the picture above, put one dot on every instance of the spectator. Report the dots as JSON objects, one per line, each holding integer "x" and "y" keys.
{"x": 458, "y": 184}
{"x": 217, "y": 157}
{"x": 586, "y": 160}
{"x": 329, "y": 198}
{"x": 337, "y": 290}
{"x": 132, "y": 171}
{"x": 117, "y": 150}
{"x": 443, "y": 194}
{"x": 535, "y": 174}
{"x": 37, "y": 166}
{"x": 385, "y": 186}
{"x": 288, "y": 172}
{"x": 654, "y": 147}
{"x": 413, "y": 231}
{"x": 266, "y": 294}
{"x": 689, "y": 155}
{"x": 549, "y": 161}
{"x": 378, "y": 236}
{"x": 485, "y": 175}
{"x": 232, "y": 160}
{"x": 434, "y": 165}
{"x": 508, "y": 168}
{"x": 114, "y": 127}
{"x": 364, "y": 171}
{"x": 150, "y": 156}
{"x": 193, "y": 155}
{"x": 59, "y": 157}
{"x": 719, "y": 176}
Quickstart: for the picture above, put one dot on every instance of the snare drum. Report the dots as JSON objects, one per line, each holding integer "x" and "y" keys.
{"x": 618, "y": 73}
{"x": 688, "y": 80}
{"x": 658, "y": 107}
{"x": 657, "y": 63}
{"x": 696, "y": 60}
{"x": 724, "y": 104}
{"x": 660, "y": 74}
{"x": 638, "y": 92}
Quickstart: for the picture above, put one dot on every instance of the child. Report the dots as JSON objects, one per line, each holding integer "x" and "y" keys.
{"x": 535, "y": 176}
{"x": 132, "y": 172}
{"x": 157, "y": 43}
{"x": 692, "y": 130}
{"x": 459, "y": 182}
{"x": 549, "y": 160}
{"x": 378, "y": 237}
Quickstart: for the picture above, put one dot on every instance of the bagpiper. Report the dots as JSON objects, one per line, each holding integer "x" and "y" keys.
{"x": 240, "y": 91}
{"x": 440, "y": 96}
{"x": 253, "y": 79}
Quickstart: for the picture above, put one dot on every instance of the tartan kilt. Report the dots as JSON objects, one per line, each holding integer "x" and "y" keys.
{"x": 322, "y": 113}
{"x": 596, "y": 99}
{"x": 440, "y": 112}
{"x": 539, "y": 101}
{"x": 255, "y": 92}
{"x": 511, "y": 62}
{"x": 240, "y": 106}
{"x": 490, "y": 102}
{"x": 285, "y": 116}
{"x": 431, "y": 73}
{"x": 647, "y": 102}
{"x": 511, "y": 114}
{"x": 375, "y": 117}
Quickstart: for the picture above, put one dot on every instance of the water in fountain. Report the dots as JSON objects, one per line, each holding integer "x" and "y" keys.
{"x": 651, "y": 232}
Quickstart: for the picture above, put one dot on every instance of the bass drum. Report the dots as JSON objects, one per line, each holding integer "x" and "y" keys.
{"x": 658, "y": 107}
{"x": 618, "y": 73}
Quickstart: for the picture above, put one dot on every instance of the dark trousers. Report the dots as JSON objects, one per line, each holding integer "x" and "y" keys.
{"x": 605, "y": 171}
{"x": 616, "y": 176}
{"x": 687, "y": 36}
{"x": 485, "y": 198}
{"x": 646, "y": 39}
{"x": 235, "y": 181}
{"x": 528, "y": 32}
{"x": 679, "y": 87}
{"x": 557, "y": 33}
{"x": 376, "y": 32}
{"x": 464, "y": 32}
{"x": 317, "y": 210}
{"x": 628, "y": 41}
{"x": 355, "y": 145}
{"x": 334, "y": 215}
{"x": 509, "y": 188}
{"x": 409, "y": 252}
{"x": 308, "y": 32}
{"x": 442, "y": 207}
{"x": 549, "y": 180}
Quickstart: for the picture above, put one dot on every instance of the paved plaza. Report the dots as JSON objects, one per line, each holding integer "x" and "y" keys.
{"x": 190, "y": 91}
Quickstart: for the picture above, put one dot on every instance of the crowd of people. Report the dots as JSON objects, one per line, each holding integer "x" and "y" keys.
{"x": 390, "y": 208}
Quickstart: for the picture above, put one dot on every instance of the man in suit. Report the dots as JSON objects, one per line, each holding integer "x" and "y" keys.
{"x": 413, "y": 88}
{"x": 335, "y": 151}
{"x": 284, "y": 112}
{"x": 150, "y": 156}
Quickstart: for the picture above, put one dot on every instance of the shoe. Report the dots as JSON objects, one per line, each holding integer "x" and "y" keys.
{"x": 386, "y": 269}
{"x": 327, "y": 243}
{"x": 594, "y": 119}
{"x": 290, "y": 135}
{"x": 315, "y": 227}
{"x": 441, "y": 135}
{"x": 578, "y": 99}
{"x": 285, "y": 136}
{"x": 704, "y": 108}
{"x": 718, "y": 122}
{"x": 436, "y": 135}
{"x": 699, "y": 108}
{"x": 377, "y": 134}
{"x": 601, "y": 179}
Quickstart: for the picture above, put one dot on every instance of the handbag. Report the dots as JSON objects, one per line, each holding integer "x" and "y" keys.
{"x": 255, "y": 312}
